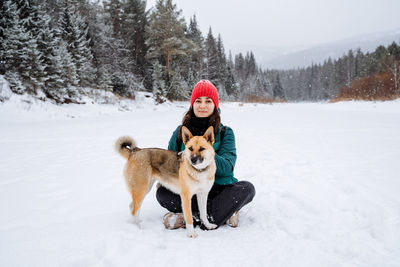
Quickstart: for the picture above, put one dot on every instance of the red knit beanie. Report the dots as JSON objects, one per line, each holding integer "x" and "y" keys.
{"x": 205, "y": 88}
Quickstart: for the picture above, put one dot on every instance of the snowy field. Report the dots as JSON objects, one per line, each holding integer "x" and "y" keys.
{"x": 327, "y": 178}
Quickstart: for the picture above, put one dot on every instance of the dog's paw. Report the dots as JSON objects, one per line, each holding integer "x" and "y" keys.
{"x": 190, "y": 231}
{"x": 210, "y": 226}
{"x": 192, "y": 235}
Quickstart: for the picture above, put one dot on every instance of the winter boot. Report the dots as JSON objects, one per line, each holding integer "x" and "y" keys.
{"x": 174, "y": 221}
{"x": 234, "y": 220}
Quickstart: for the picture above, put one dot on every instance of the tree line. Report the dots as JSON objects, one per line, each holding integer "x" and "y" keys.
{"x": 59, "y": 47}
{"x": 355, "y": 75}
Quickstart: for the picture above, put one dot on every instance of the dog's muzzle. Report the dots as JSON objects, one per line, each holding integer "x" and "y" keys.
{"x": 196, "y": 160}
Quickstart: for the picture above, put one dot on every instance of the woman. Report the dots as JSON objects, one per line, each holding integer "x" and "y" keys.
{"x": 227, "y": 196}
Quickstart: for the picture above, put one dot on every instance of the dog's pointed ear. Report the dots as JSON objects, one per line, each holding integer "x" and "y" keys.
{"x": 186, "y": 135}
{"x": 209, "y": 135}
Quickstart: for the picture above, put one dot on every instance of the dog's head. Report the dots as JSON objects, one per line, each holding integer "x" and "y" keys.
{"x": 199, "y": 150}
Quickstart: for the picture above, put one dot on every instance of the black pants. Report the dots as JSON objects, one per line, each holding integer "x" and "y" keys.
{"x": 223, "y": 201}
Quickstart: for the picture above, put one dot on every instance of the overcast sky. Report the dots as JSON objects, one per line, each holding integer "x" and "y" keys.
{"x": 249, "y": 24}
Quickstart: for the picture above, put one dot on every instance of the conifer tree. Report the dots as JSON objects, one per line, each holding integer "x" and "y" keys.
{"x": 115, "y": 11}
{"x": 166, "y": 40}
{"x": 222, "y": 63}
{"x": 113, "y": 54}
{"x": 191, "y": 79}
{"x": 28, "y": 11}
{"x": 250, "y": 64}
{"x": 74, "y": 31}
{"x": 178, "y": 88}
{"x": 69, "y": 76}
{"x": 9, "y": 26}
{"x": 394, "y": 50}
{"x": 102, "y": 41}
{"x": 22, "y": 58}
{"x": 327, "y": 89}
{"x": 240, "y": 66}
{"x": 230, "y": 82}
{"x": 47, "y": 43}
{"x": 340, "y": 73}
{"x": 159, "y": 87}
{"x": 134, "y": 21}
{"x": 211, "y": 64}
{"x": 8, "y": 11}
{"x": 196, "y": 63}
{"x": 277, "y": 88}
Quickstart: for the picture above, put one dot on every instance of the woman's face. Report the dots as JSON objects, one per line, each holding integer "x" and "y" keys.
{"x": 203, "y": 107}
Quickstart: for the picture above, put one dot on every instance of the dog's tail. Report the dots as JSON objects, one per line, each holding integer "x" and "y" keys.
{"x": 125, "y": 145}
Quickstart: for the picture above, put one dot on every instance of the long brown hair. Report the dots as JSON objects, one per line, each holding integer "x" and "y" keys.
{"x": 214, "y": 120}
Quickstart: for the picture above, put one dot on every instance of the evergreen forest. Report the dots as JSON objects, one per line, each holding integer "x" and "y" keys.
{"x": 56, "y": 48}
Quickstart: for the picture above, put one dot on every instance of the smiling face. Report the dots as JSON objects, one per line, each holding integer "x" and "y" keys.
{"x": 203, "y": 107}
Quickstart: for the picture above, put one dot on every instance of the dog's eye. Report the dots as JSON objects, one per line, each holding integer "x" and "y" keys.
{"x": 201, "y": 149}
{"x": 191, "y": 148}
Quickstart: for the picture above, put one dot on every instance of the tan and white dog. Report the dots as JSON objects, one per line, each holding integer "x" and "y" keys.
{"x": 189, "y": 173}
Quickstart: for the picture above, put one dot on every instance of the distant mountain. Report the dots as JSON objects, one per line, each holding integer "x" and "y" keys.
{"x": 305, "y": 57}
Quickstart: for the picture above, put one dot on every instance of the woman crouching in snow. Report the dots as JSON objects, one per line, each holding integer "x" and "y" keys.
{"x": 228, "y": 195}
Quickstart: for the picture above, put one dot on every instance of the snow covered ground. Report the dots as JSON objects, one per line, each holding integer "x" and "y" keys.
{"x": 326, "y": 175}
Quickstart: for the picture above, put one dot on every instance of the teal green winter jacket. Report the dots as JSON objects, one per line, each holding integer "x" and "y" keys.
{"x": 225, "y": 154}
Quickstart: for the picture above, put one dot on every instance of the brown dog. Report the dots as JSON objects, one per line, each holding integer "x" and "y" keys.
{"x": 188, "y": 173}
